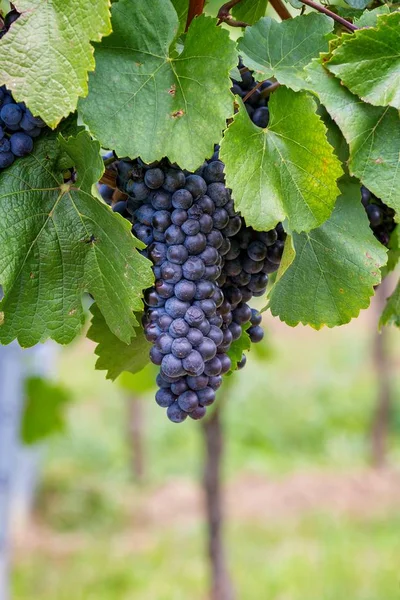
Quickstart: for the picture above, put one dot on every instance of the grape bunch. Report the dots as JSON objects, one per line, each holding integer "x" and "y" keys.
{"x": 381, "y": 217}
{"x": 18, "y": 126}
{"x": 257, "y": 103}
{"x": 193, "y": 236}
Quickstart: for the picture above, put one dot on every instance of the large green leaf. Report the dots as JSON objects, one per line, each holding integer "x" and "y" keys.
{"x": 331, "y": 273}
{"x": 115, "y": 357}
{"x": 368, "y": 62}
{"x": 283, "y": 49}
{"x": 44, "y": 411}
{"x": 58, "y": 241}
{"x": 287, "y": 170}
{"x": 373, "y": 134}
{"x": 146, "y": 100}
{"x": 249, "y": 11}
{"x": 46, "y": 54}
{"x": 391, "y": 313}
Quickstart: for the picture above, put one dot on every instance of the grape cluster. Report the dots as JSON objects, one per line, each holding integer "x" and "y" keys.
{"x": 257, "y": 103}
{"x": 381, "y": 217}
{"x": 198, "y": 305}
{"x": 18, "y": 127}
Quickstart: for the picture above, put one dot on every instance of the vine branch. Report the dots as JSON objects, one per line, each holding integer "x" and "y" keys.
{"x": 196, "y": 8}
{"x": 329, "y": 13}
{"x": 280, "y": 9}
{"x": 224, "y": 15}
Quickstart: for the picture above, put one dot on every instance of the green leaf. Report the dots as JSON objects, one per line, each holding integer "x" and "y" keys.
{"x": 58, "y": 241}
{"x": 4, "y": 7}
{"x": 391, "y": 313}
{"x": 141, "y": 382}
{"x": 145, "y": 100}
{"x": 368, "y": 62}
{"x": 249, "y": 11}
{"x": 115, "y": 356}
{"x": 393, "y": 252}
{"x": 286, "y": 170}
{"x": 359, "y": 4}
{"x": 373, "y": 134}
{"x": 369, "y": 18}
{"x": 283, "y": 49}
{"x": 181, "y": 7}
{"x": 238, "y": 347}
{"x": 48, "y": 53}
{"x": 44, "y": 411}
{"x": 334, "y": 269}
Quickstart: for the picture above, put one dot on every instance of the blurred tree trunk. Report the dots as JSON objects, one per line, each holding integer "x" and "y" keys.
{"x": 136, "y": 426}
{"x": 221, "y": 584}
{"x": 381, "y": 355}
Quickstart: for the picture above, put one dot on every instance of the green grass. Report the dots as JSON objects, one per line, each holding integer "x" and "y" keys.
{"x": 318, "y": 558}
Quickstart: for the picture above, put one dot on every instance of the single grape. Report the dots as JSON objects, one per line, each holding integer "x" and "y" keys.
{"x": 154, "y": 178}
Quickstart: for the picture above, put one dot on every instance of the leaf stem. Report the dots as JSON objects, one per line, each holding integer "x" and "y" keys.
{"x": 271, "y": 88}
{"x": 331, "y": 14}
{"x": 265, "y": 92}
{"x": 196, "y": 8}
{"x": 109, "y": 161}
{"x": 109, "y": 178}
{"x": 280, "y": 9}
{"x": 224, "y": 15}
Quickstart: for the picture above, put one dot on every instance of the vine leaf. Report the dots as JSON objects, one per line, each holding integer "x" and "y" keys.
{"x": 391, "y": 312}
{"x": 358, "y": 4}
{"x": 182, "y": 8}
{"x": 146, "y": 100}
{"x": 44, "y": 410}
{"x": 368, "y": 62}
{"x": 48, "y": 53}
{"x": 372, "y": 132}
{"x": 58, "y": 241}
{"x": 282, "y": 50}
{"x": 249, "y": 11}
{"x": 330, "y": 274}
{"x": 369, "y": 18}
{"x": 115, "y": 356}
{"x": 286, "y": 170}
{"x": 238, "y": 347}
{"x": 393, "y": 252}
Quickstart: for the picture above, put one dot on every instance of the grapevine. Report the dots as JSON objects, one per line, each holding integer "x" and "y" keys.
{"x": 167, "y": 168}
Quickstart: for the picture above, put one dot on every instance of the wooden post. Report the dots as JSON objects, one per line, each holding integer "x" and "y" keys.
{"x": 221, "y": 584}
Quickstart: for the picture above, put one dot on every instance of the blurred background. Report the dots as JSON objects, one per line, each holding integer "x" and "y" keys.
{"x": 289, "y": 491}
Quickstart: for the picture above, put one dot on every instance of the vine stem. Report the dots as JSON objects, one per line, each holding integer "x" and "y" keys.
{"x": 196, "y": 8}
{"x": 331, "y": 14}
{"x": 109, "y": 161}
{"x": 265, "y": 92}
{"x": 280, "y": 9}
{"x": 109, "y": 178}
{"x": 224, "y": 15}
